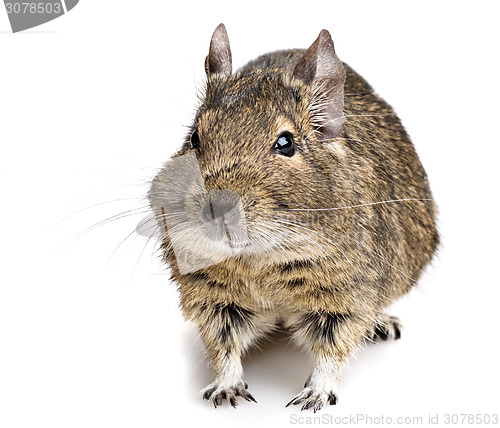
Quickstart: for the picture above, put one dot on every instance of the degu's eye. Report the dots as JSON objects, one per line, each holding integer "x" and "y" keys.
{"x": 195, "y": 140}
{"x": 284, "y": 145}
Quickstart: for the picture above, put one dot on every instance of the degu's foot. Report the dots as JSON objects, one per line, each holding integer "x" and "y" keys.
{"x": 386, "y": 327}
{"x": 216, "y": 393}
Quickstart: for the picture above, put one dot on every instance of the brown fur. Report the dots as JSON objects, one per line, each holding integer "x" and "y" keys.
{"x": 335, "y": 269}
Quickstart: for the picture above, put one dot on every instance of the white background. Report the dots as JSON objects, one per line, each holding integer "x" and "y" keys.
{"x": 94, "y": 102}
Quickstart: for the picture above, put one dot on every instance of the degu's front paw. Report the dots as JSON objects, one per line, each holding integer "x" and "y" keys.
{"x": 216, "y": 393}
{"x": 314, "y": 398}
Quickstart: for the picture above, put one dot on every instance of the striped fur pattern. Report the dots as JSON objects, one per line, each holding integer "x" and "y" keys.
{"x": 338, "y": 231}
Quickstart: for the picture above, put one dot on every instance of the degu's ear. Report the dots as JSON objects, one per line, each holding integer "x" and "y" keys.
{"x": 321, "y": 68}
{"x": 219, "y": 59}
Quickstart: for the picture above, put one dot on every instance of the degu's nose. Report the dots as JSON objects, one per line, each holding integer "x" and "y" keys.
{"x": 221, "y": 211}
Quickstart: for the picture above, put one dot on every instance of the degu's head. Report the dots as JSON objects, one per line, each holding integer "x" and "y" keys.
{"x": 255, "y": 159}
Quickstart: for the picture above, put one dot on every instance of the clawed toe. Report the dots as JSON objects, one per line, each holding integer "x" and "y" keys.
{"x": 306, "y": 393}
{"x": 314, "y": 400}
{"x": 216, "y": 394}
{"x": 387, "y": 327}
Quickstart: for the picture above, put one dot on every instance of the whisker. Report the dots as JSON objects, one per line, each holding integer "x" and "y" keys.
{"x": 354, "y": 94}
{"x": 336, "y": 247}
{"x": 342, "y": 252}
{"x": 376, "y": 253}
{"x": 359, "y": 115}
{"x": 94, "y": 206}
{"x": 122, "y": 215}
{"x": 355, "y": 206}
{"x": 121, "y": 243}
{"x": 394, "y": 267}
{"x": 331, "y": 140}
{"x": 138, "y": 259}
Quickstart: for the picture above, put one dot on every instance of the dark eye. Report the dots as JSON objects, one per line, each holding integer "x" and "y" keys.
{"x": 284, "y": 145}
{"x": 195, "y": 140}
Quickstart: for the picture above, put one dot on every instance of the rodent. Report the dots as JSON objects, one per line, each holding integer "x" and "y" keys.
{"x": 296, "y": 202}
